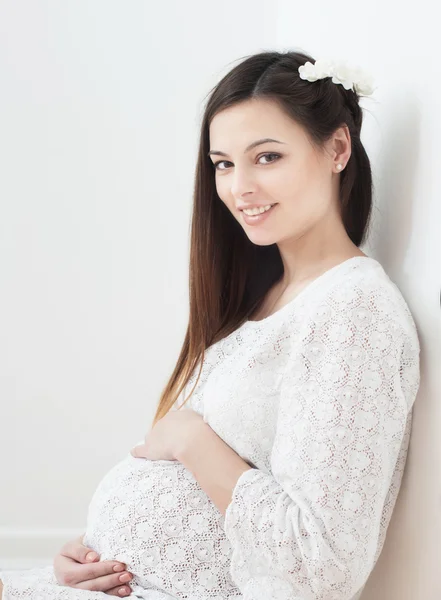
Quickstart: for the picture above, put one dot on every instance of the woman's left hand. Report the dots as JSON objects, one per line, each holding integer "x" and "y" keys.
{"x": 170, "y": 435}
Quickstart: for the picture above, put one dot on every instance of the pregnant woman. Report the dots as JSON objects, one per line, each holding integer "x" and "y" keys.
{"x": 277, "y": 450}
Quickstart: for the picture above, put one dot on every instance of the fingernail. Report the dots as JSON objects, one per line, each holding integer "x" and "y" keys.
{"x": 124, "y": 578}
{"x": 122, "y": 591}
{"x": 91, "y": 556}
{"x": 117, "y": 568}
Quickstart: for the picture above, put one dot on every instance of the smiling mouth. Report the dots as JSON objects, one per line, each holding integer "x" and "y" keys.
{"x": 258, "y": 217}
{"x": 258, "y": 213}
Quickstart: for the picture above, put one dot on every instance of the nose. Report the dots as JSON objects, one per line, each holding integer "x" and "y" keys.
{"x": 242, "y": 184}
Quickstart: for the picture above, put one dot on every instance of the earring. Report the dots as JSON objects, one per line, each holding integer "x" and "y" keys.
{"x": 339, "y": 167}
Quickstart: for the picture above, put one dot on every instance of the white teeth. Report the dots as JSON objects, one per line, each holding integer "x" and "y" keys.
{"x": 257, "y": 211}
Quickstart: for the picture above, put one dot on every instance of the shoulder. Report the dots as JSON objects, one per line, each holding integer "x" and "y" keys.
{"x": 367, "y": 296}
{"x": 364, "y": 322}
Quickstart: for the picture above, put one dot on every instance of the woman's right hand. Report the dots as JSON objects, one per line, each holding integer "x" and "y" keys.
{"x": 73, "y": 568}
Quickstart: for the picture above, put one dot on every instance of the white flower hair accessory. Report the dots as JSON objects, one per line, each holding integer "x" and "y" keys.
{"x": 348, "y": 76}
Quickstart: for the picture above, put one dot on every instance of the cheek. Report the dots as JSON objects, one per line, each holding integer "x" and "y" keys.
{"x": 290, "y": 189}
{"x": 223, "y": 185}
{"x": 224, "y": 193}
{"x": 298, "y": 186}
{"x": 285, "y": 182}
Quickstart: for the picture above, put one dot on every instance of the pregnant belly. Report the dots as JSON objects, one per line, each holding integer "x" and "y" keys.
{"x": 155, "y": 517}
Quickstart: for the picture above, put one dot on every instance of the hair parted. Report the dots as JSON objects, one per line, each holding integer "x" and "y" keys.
{"x": 223, "y": 290}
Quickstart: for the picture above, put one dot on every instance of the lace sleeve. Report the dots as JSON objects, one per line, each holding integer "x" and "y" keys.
{"x": 313, "y": 528}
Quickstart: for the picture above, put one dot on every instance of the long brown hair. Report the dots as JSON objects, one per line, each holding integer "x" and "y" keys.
{"x": 229, "y": 276}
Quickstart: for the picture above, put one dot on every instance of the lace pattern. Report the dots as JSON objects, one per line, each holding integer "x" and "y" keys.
{"x": 317, "y": 398}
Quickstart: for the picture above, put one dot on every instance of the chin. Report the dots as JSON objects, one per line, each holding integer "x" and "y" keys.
{"x": 267, "y": 240}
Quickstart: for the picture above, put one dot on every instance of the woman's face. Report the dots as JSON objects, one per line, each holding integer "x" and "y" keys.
{"x": 289, "y": 173}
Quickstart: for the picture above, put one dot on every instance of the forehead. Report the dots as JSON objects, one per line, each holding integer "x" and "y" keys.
{"x": 250, "y": 120}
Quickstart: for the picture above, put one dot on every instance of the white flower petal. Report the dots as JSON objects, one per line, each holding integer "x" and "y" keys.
{"x": 343, "y": 72}
{"x": 323, "y": 68}
{"x": 366, "y": 88}
{"x": 348, "y": 76}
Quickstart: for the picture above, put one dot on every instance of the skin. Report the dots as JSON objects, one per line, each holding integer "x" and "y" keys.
{"x": 72, "y": 561}
{"x": 306, "y": 225}
{"x": 127, "y": 592}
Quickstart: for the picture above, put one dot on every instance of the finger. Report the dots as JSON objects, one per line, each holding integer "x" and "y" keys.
{"x": 138, "y": 451}
{"x": 78, "y": 551}
{"x": 97, "y": 570}
{"x": 126, "y": 591}
{"x": 101, "y": 584}
{"x": 73, "y": 573}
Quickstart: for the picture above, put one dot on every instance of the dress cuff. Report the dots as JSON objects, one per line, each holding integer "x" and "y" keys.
{"x": 245, "y": 492}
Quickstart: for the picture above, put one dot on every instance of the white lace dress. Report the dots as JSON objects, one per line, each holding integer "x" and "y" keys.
{"x": 317, "y": 398}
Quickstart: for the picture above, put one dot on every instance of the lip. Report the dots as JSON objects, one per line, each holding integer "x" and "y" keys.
{"x": 257, "y": 219}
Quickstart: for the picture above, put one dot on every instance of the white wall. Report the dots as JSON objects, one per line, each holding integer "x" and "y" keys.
{"x": 401, "y": 132}
{"x": 100, "y": 104}
{"x": 99, "y": 112}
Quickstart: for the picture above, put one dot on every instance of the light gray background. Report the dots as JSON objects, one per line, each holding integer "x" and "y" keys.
{"x": 100, "y": 107}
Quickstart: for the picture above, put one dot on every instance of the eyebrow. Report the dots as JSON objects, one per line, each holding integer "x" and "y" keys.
{"x": 248, "y": 148}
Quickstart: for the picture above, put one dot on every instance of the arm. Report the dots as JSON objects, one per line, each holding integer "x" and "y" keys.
{"x": 214, "y": 465}
{"x": 312, "y": 528}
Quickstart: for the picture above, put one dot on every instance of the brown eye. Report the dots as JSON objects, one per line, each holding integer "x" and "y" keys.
{"x": 269, "y": 154}
{"x": 277, "y": 156}
{"x": 218, "y": 163}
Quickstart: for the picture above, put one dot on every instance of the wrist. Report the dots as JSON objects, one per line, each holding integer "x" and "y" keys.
{"x": 193, "y": 441}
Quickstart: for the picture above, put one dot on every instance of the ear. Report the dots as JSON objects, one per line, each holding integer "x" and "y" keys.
{"x": 341, "y": 145}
